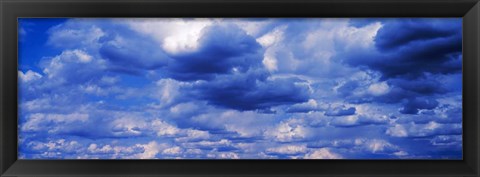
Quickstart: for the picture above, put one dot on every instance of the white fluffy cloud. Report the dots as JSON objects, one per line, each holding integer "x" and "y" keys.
{"x": 288, "y": 131}
{"x": 150, "y": 150}
{"x": 173, "y": 35}
{"x": 72, "y": 66}
{"x": 29, "y": 76}
{"x": 378, "y": 89}
{"x": 322, "y": 153}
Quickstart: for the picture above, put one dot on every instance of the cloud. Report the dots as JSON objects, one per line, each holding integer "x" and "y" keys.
{"x": 236, "y": 125}
{"x": 222, "y": 145}
{"x": 311, "y": 105}
{"x": 414, "y": 105}
{"x": 164, "y": 129}
{"x": 424, "y": 130}
{"x": 131, "y": 53}
{"x": 126, "y": 50}
{"x": 252, "y": 91}
{"x": 397, "y": 131}
{"x": 224, "y": 155}
{"x": 288, "y": 150}
{"x": 435, "y": 53}
{"x": 308, "y": 46}
{"x": 359, "y": 120}
{"x": 172, "y": 151}
{"x": 424, "y": 86}
{"x": 72, "y": 67}
{"x": 378, "y": 89}
{"x": 447, "y": 140}
{"x": 345, "y": 121}
{"x": 289, "y": 131}
{"x": 29, "y": 76}
{"x": 173, "y": 35}
{"x": 194, "y": 135}
{"x": 53, "y": 122}
{"x": 376, "y": 146}
{"x": 358, "y": 148}
{"x": 168, "y": 91}
{"x": 223, "y": 50}
{"x": 75, "y": 33}
{"x": 413, "y": 30}
{"x": 150, "y": 150}
{"x": 93, "y": 148}
{"x": 322, "y": 153}
{"x": 340, "y": 111}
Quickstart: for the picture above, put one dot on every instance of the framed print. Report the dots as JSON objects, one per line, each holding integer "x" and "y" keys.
{"x": 251, "y": 88}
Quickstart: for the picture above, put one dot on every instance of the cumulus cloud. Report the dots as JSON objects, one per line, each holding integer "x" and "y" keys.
{"x": 198, "y": 49}
{"x": 253, "y": 90}
{"x": 378, "y": 89}
{"x": 72, "y": 67}
{"x": 410, "y": 31}
{"x": 419, "y": 46}
{"x": 289, "y": 131}
{"x": 322, "y": 153}
{"x": 150, "y": 150}
{"x": 174, "y": 35}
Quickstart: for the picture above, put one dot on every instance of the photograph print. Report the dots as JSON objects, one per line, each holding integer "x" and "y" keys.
{"x": 240, "y": 88}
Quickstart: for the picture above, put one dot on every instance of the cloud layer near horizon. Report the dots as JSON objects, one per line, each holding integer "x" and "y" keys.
{"x": 240, "y": 88}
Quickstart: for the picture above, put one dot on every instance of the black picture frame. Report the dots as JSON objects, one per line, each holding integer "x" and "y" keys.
{"x": 10, "y": 10}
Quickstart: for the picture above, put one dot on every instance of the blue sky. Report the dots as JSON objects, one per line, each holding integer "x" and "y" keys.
{"x": 240, "y": 88}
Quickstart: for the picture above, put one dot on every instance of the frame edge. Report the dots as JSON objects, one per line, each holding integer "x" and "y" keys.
{"x": 4, "y": 164}
{"x": 471, "y": 51}
{"x": 8, "y": 155}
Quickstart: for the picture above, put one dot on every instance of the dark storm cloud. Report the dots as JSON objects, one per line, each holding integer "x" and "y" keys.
{"x": 223, "y": 50}
{"x": 231, "y": 62}
{"x": 414, "y": 105}
{"x": 410, "y": 55}
{"x": 410, "y": 48}
{"x": 405, "y": 89}
{"x": 399, "y": 33}
{"x": 252, "y": 91}
{"x": 423, "y": 86}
